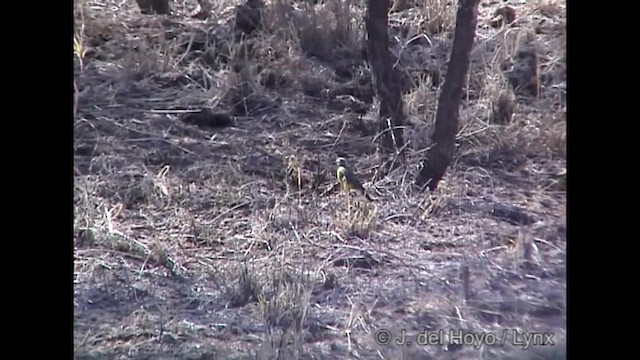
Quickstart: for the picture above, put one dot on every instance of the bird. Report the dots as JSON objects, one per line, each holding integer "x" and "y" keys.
{"x": 348, "y": 179}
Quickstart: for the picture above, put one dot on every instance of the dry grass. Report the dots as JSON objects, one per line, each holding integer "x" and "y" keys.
{"x": 234, "y": 242}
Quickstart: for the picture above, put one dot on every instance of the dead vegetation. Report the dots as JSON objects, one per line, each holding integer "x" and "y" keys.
{"x": 208, "y": 223}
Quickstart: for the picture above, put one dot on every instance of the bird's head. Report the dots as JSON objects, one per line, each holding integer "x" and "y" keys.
{"x": 341, "y": 161}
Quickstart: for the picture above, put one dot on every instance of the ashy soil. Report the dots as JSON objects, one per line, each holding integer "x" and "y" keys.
{"x": 208, "y": 223}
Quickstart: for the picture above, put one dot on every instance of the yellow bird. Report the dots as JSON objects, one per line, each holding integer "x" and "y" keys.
{"x": 348, "y": 179}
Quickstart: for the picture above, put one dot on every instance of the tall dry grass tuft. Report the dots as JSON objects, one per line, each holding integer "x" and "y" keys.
{"x": 318, "y": 29}
{"x": 439, "y": 15}
{"x": 284, "y": 307}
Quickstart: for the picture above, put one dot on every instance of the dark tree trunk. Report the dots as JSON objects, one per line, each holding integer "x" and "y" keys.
{"x": 439, "y": 157}
{"x": 154, "y": 6}
{"x": 387, "y": 88}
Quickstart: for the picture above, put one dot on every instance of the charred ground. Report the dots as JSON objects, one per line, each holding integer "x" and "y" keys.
{"x": 206, "y": 218}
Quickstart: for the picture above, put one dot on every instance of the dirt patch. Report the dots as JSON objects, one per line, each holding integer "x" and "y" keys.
{"x": 208, "y": 223}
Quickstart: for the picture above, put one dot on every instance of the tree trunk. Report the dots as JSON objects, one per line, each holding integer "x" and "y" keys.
{"x": 391, "y": 116}
{"x": 439, "y": 156}
{"x": 154, "y": 6}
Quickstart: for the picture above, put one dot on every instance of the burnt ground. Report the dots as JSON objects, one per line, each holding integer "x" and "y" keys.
{"x": 222, "y": 236}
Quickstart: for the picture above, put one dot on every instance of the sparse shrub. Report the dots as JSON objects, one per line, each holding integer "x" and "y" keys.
{"x": 502, "y": 109}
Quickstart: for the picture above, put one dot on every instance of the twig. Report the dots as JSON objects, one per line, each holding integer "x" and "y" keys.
{"x": 542, "y": 241}
{"x": 501, "y": 247}
{"x": 186, "y": 52}
{"x": 155, "y": 136}
{"x": 222, "y": 214}
{"x": 154, "y": 111}
{"x": 344, "y": 125}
